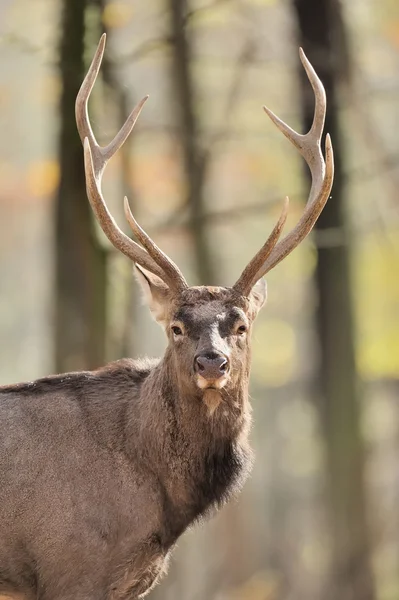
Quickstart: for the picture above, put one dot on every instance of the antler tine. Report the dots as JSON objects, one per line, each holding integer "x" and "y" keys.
{"x": 245, "y": 281}
{"x": 320, "y": 96}
{"x": 96, "y": 158}
{"x": 81, "y": 105}
{"x": 102, "y": 154}
{"x": 170, "y": 269}
{"x": 115, "y": 235}
{"x": 125, "y": 130}
{"x": 322, "y": 178}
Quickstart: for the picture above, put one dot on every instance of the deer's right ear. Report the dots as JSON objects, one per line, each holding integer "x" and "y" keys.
{"x": 156, "y": 293}
{"x": 258, "y": 295}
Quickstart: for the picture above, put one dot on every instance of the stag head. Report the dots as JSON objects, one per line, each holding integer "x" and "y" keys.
{"x": 208, "y": 328}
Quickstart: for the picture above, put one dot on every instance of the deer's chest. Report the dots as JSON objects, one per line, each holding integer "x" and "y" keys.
{"x": 203, "y": 484}
{"x": 139, "y": 572}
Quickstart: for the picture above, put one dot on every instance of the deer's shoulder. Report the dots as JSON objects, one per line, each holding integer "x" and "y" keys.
{"x": 121, "y": 372}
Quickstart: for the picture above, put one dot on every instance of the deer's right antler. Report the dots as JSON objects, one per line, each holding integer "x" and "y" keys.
{"x": 322, "y": 178}
{"x": 95, "y": 158}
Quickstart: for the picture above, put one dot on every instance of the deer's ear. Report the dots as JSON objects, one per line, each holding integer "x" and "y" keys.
{"x": 258, "y": 295}
{"x": 156, "y": 293}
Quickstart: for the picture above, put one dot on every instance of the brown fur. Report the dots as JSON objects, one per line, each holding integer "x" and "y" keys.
{"x": 101, "y": 472}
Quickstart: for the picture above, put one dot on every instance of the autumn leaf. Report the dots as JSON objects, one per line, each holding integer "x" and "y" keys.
{"x": 43, "y": 177}
{"x": 117, "y": 14}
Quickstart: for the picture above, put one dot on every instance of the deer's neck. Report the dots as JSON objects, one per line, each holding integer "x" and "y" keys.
{"x": 173, "y": 411}
{"x": 200, "y": 458}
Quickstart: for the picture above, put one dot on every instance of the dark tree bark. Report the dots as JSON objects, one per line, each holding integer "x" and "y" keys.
{"x": 195, "y": 160}
{"x": 80, "y": 262}
{"x": 322, "y": 35}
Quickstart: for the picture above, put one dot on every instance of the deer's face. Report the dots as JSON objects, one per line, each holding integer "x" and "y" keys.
{"x": 208, "y": 329}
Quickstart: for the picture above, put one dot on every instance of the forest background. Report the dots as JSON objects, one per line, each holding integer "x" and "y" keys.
{"x": 205, "y": 172}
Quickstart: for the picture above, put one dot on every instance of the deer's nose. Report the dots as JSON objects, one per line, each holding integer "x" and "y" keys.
{"x": 211, "y": 365}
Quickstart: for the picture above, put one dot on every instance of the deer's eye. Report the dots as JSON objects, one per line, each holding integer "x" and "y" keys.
{"x": 241, "y": 329}
{"x": 177, "y": 330}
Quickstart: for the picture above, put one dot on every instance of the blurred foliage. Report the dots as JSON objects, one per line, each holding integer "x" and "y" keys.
{"x": 377, "y": 306}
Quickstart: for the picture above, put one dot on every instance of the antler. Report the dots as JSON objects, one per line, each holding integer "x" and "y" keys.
{"x": 322, "y": 174}
{"x": 95, "y": 159}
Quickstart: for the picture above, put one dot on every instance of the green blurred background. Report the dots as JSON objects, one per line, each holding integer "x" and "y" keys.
{"x": 205, "y": 172}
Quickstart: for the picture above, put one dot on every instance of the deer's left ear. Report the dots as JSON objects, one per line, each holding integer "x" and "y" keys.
{"x": 258, "y": 295}
{"x": 156, "y": 293}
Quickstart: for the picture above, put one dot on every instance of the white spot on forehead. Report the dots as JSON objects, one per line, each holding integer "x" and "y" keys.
{"x": 204, "y": 313}
{"x": 210, "y": 314}
{"x": 210, "y": 310}
{"x": 214, "y": 310}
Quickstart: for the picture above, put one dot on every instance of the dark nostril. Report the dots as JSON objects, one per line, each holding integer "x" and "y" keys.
{"x": 223, "y": 366}
{"x": 200, "y": 363}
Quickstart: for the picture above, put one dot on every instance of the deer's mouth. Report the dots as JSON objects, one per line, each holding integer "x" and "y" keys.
{"x": 211, "y": 384}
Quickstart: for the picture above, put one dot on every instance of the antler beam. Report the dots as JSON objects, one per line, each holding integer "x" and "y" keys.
{"x": 95, "y": 158}
{"x": 322, "y": 174}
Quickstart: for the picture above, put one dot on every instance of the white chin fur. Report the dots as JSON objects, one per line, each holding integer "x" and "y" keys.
{"x": 203, "y": 383}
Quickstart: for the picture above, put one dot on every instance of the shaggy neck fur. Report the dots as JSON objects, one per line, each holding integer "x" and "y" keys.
{"x": 201, "y": 456}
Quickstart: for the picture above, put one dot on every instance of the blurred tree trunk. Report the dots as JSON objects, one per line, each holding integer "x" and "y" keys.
{"x": 80, "y": 261}
{"x": 322, "y": 35}
{"x": 125, "y": 333}
{"x": 194, "y": 158}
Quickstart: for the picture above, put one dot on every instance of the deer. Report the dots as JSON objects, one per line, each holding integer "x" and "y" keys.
{"x": 102, "y": 471}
